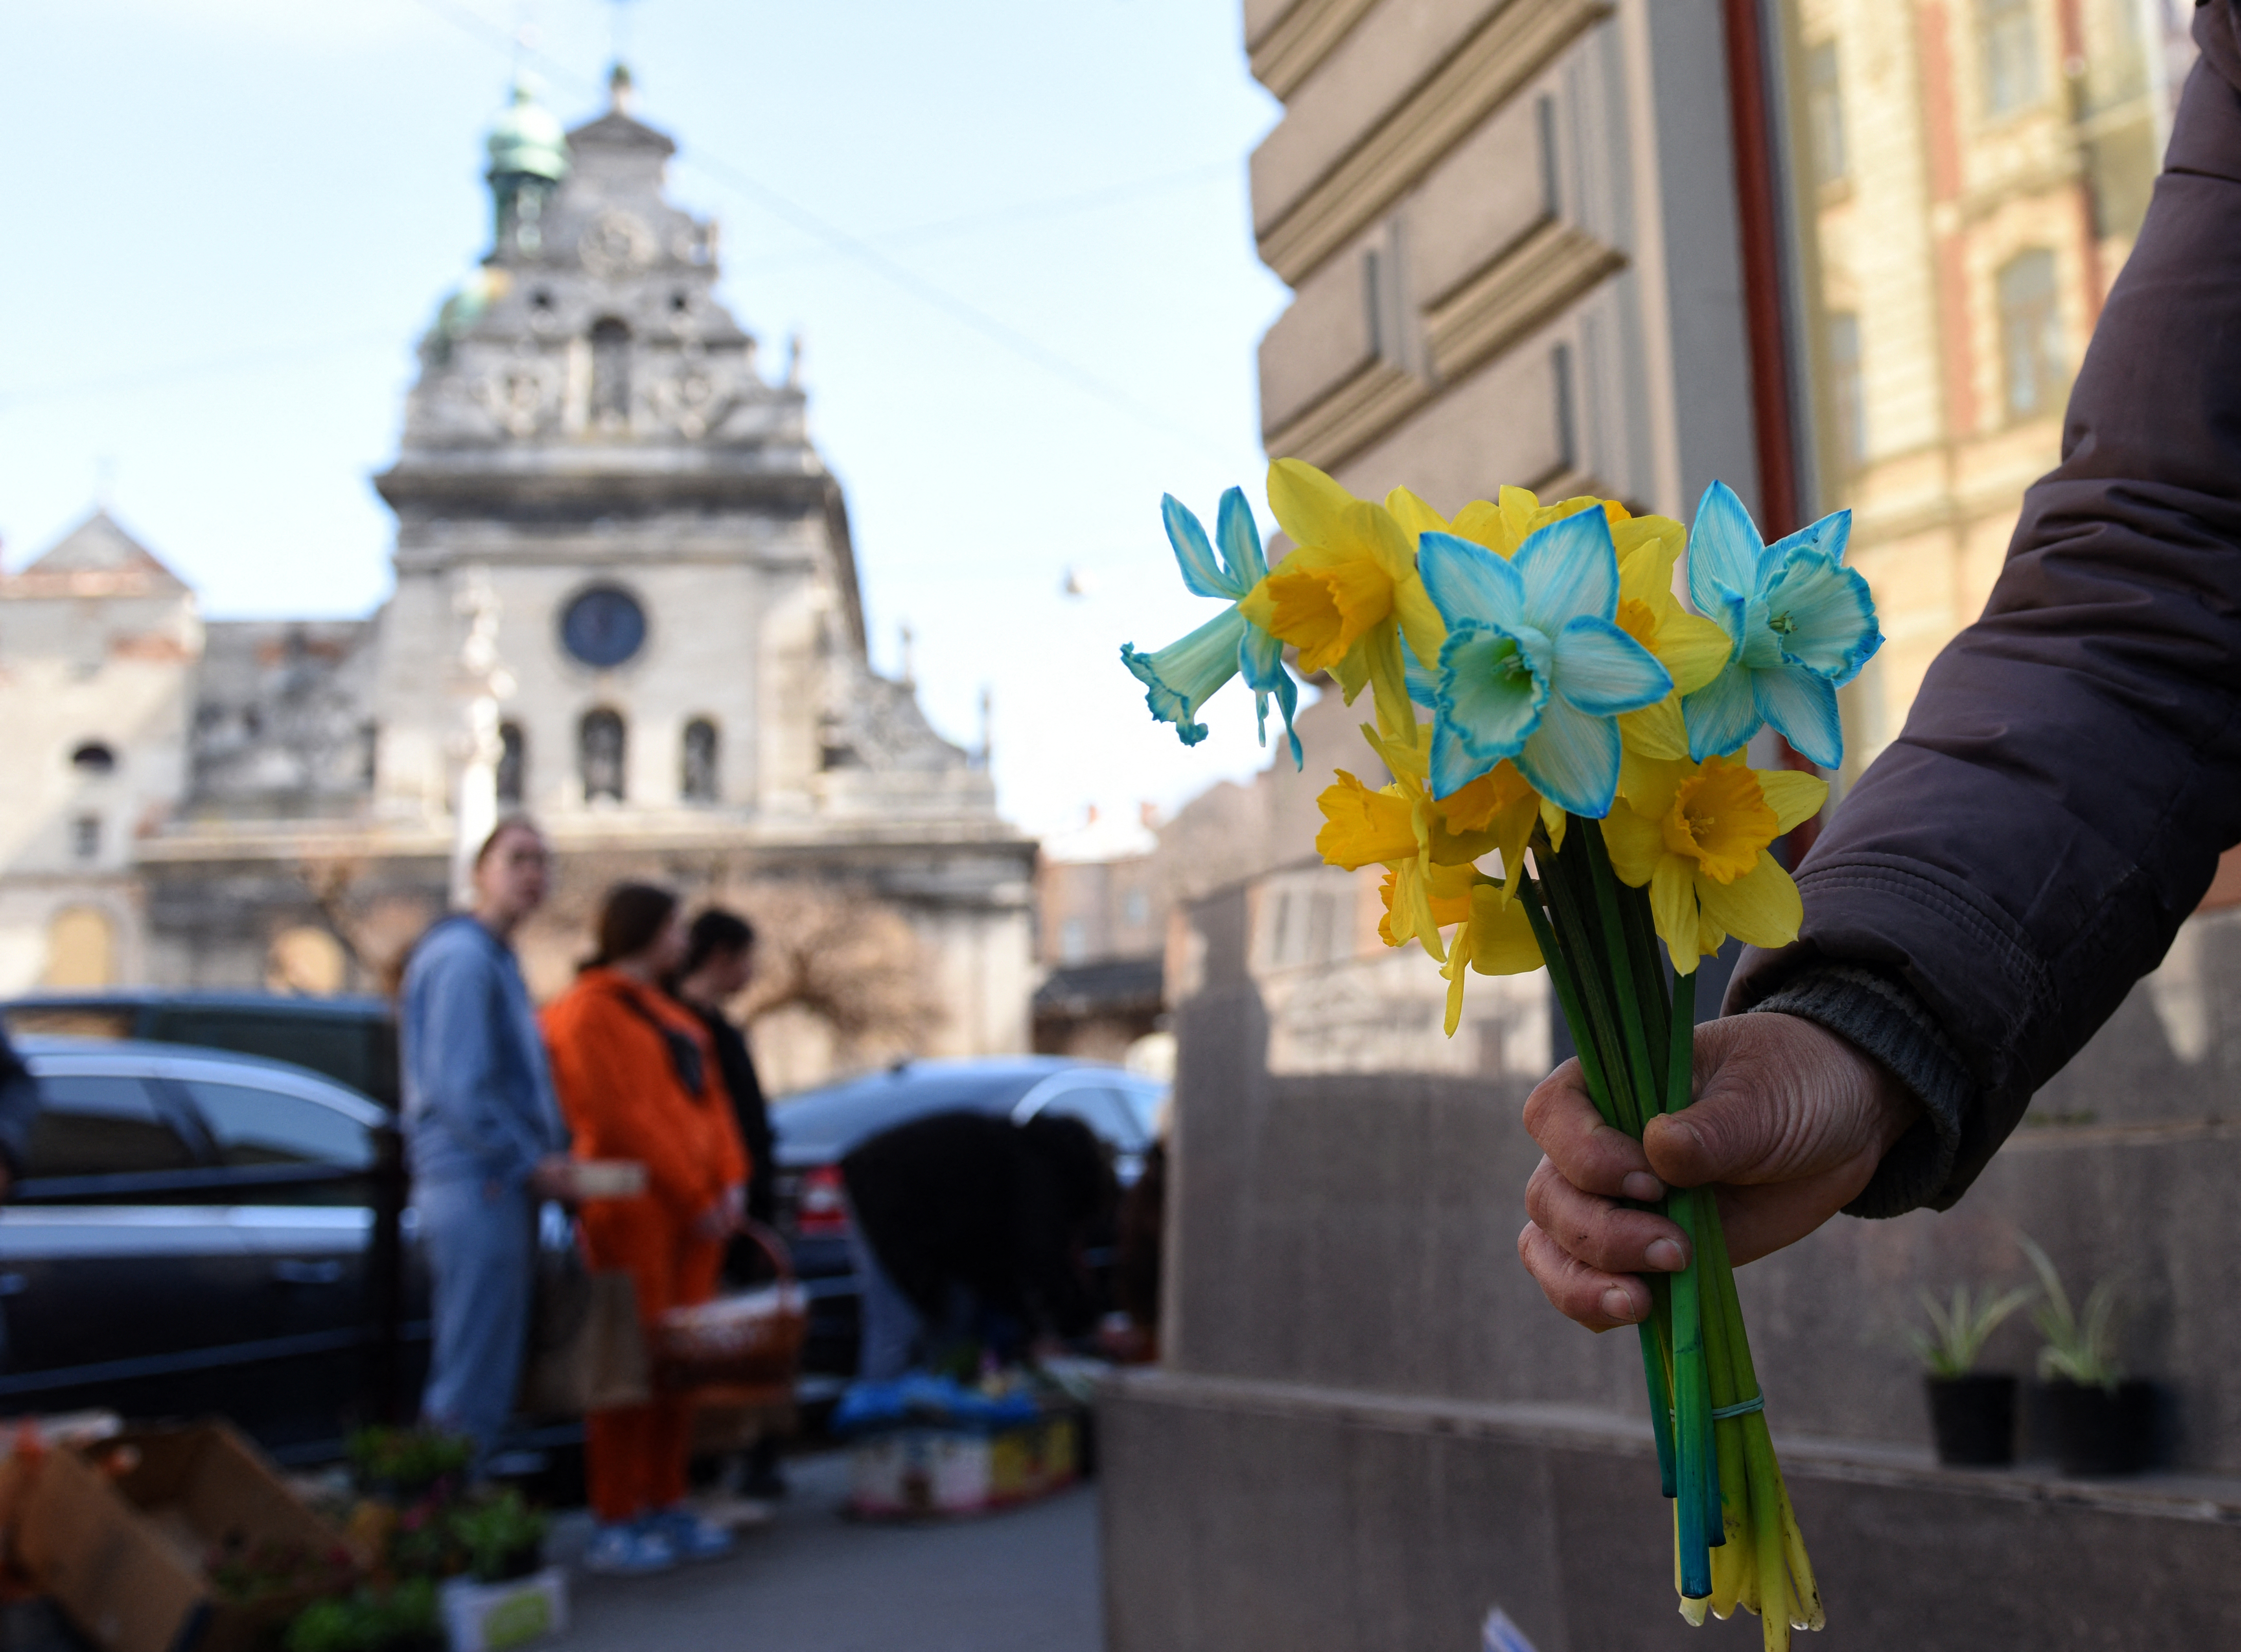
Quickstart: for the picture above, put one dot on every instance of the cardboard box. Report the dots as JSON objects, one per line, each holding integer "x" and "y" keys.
{"x": 496, "y": 1617}
{"x": 915, "y": 1473}
{"x": 125, "y": 1557}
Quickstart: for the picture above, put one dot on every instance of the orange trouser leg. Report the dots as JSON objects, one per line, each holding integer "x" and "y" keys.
{"x": 618, "y": 1446}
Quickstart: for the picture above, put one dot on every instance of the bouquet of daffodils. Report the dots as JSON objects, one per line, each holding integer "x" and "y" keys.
{"x": 1568, "y": 789}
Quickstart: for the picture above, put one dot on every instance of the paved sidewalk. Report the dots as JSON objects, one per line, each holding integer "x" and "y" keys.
{"x": 1024, "y": 1581}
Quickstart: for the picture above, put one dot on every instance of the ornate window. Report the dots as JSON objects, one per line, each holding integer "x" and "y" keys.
{"x": 599, "y": 747}
{"x": 610, "y": 350}
{"x": 2008, "y": 36}
{"x": 512, "y": 760}
{"x": 700, "y": 779}
{"x": 2031, "y": 333}
{"x": 93, "y": 757}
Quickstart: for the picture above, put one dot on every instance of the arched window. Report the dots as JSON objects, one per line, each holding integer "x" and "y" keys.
{"x": 599, "y": 741}
{"x": 93, "y": 757}
{"x": 512, "y": 760}
{"x": 700, "y": 778}
{"x": 2031, "y": 333}
{"x": 610, "y": 371}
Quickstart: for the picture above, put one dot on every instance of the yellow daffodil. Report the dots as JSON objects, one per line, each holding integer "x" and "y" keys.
{"x": 1692, "y": 648}
{"x": 1697, "y": 834}
{"x": 1348, "y": 593}
{"x": 1496, "y": 939}
{"x": 1502, "y": 804}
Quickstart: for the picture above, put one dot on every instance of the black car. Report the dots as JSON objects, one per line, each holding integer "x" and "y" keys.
{"x": 818, "y": 1128}
{"x": 351, "y": 1040}
{"x": 194, "y": 1233}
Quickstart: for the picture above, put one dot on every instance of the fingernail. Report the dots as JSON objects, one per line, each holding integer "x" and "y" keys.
{"x": 1642, "y": 1187}
{"x": 1664, "y": 1255}
{"x": 1618, "y": 1305}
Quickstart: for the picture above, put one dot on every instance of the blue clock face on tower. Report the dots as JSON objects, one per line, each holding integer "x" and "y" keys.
{"x": 603, "y": 627}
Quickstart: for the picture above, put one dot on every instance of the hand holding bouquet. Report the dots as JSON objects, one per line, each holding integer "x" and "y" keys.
{"x": 1568, "y": 789}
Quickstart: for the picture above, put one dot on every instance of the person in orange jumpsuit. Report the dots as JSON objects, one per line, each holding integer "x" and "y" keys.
{"x": 637, "y": 1079}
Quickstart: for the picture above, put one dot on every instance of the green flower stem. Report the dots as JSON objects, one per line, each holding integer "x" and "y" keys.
{"x": 1569, "y": 914}
{"x": 1697, "y": 1507}
{"x": 1633, "y": 1028}
{"x": 1655, "y": 1333}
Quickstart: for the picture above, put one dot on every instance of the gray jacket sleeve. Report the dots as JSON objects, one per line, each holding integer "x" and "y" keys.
{"x": 2027, "y": 848}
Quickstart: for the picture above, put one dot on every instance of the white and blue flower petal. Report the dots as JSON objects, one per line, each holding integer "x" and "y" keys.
{"x": 1569, "y": 568}
{"x": 1604, "y": 671}
{"x": 1241, "y": 543}
{"x": 1823, "y": 616}
{"x": 1180, "y": 677}
{"x": 1723, "y": 550}
{"x": 1423, "y": 682}
{"x": 1467, "y": 582}
{"x": 1572, "y": 760}
{"x": 1802, "y": 706}
{"x": 1828, "y": 537}
{"x": 1452, "y": 765}
{"x": 1260, "y": 662}
{"x": 1721, "y": 715}
{"x": 1488, "y": 691}
{"x": 1202, "y": 576}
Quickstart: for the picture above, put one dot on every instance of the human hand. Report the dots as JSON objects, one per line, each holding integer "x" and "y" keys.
{"x": 1790, "y": 1119}
{"x": 554, "y": 1177}
{"x": 721, "y": 1219}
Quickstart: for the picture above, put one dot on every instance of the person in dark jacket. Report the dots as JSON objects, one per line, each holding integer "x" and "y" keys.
{"x": 969, "y": 1227}
{"x": 2028, "y": 847}
{"x": 719, "y": 962}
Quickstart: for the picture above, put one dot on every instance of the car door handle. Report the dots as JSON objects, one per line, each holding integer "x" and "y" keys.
{"x": 296, "y": 1273}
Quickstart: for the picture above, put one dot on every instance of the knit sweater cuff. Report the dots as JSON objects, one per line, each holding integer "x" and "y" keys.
{"x": 1884, "y": 1019}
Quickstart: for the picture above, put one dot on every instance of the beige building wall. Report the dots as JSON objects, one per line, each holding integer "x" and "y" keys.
{"x": 1970, "y": 176}
{"x": 1510, "y": 233}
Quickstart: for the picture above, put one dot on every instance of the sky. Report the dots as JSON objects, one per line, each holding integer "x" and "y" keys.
{"x": 1014, "y": 234}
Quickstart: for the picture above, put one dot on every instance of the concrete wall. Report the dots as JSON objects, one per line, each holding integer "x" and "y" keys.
{"x": 1371, "y": 1427}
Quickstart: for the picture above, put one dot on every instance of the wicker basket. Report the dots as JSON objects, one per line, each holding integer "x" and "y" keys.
{"x": 750, "y": 1338}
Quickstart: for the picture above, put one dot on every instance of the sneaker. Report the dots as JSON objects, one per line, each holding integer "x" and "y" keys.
{"x": 636, "y": 1550}
{"x": 687, "y": 1535}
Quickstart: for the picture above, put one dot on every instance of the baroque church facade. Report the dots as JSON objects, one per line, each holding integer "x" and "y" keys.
{"x": 625, "y": 602}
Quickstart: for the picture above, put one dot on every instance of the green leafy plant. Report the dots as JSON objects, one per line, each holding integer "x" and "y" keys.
{"x": 1958, "y": 1329}
{"x": 408, "y": 1460}
{"x": 244, "y": 1573}
{"x": 501, "y": 1537}
{"x": 2079, "y": 1342}
{"x": 404, "y": 1616}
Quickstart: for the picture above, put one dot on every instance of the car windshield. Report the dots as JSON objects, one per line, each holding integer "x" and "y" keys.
{"x": 825, "y": 1124}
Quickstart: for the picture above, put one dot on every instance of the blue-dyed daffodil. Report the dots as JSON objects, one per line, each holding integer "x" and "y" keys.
{"x": 1348, "y": 593}
{"x": 1180, "y": 677}
{"x": 1697, "y": 834}
{"x": 1799, "y": 624}
{"x": 1534, "y": 667}
{"x": 1690, "y": 646}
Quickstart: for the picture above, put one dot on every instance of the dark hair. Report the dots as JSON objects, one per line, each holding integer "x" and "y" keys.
{"x": 631, "y": 919}
{"x": 508, "y": 823}
{"x": 716, "y": 933}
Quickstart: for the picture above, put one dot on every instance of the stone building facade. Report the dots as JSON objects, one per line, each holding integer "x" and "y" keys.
{"x": 596, "y": 479}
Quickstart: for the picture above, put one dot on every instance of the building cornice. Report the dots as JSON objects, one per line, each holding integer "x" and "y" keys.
{"x": 1446, "y": 105}
{"x": 1288, "y": 50}
{"x": 1521, "y": 288}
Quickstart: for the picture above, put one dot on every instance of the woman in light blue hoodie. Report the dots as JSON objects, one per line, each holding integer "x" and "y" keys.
{"x": 484, "y": 1133}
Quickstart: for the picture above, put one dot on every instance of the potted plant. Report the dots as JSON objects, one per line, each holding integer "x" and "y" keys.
{"x": 403, "y": 1465}
{"x": 503, "y": 1538}
{"x": 402, "y": 1619}
{"x": 1972, "y": 1413}
{"x": 2102, "y": 1424}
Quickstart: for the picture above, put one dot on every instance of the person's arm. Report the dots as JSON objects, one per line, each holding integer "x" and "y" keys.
{"x": 455, "y": 1062}
{"x": 610, "y": 1067}
{"x": 2028, "y": 847}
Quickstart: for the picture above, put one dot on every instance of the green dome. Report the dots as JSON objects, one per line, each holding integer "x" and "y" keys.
{"x": 528, "y": 138}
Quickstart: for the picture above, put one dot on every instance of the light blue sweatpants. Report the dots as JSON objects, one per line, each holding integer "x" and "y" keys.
{"x": 481, "y": 1247}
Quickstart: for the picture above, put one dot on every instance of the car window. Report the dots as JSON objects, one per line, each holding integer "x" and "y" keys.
{"x": 257, "y": 1126}
{"x": 1102, "y": 1109}
{"x": 101, "y": 1124}
{"x": 340, "y": 1046}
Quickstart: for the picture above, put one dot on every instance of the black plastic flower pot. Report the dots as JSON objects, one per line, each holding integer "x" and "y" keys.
{"x": 2101, "y": 1431}
{"x": 1973, "y": 1419}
